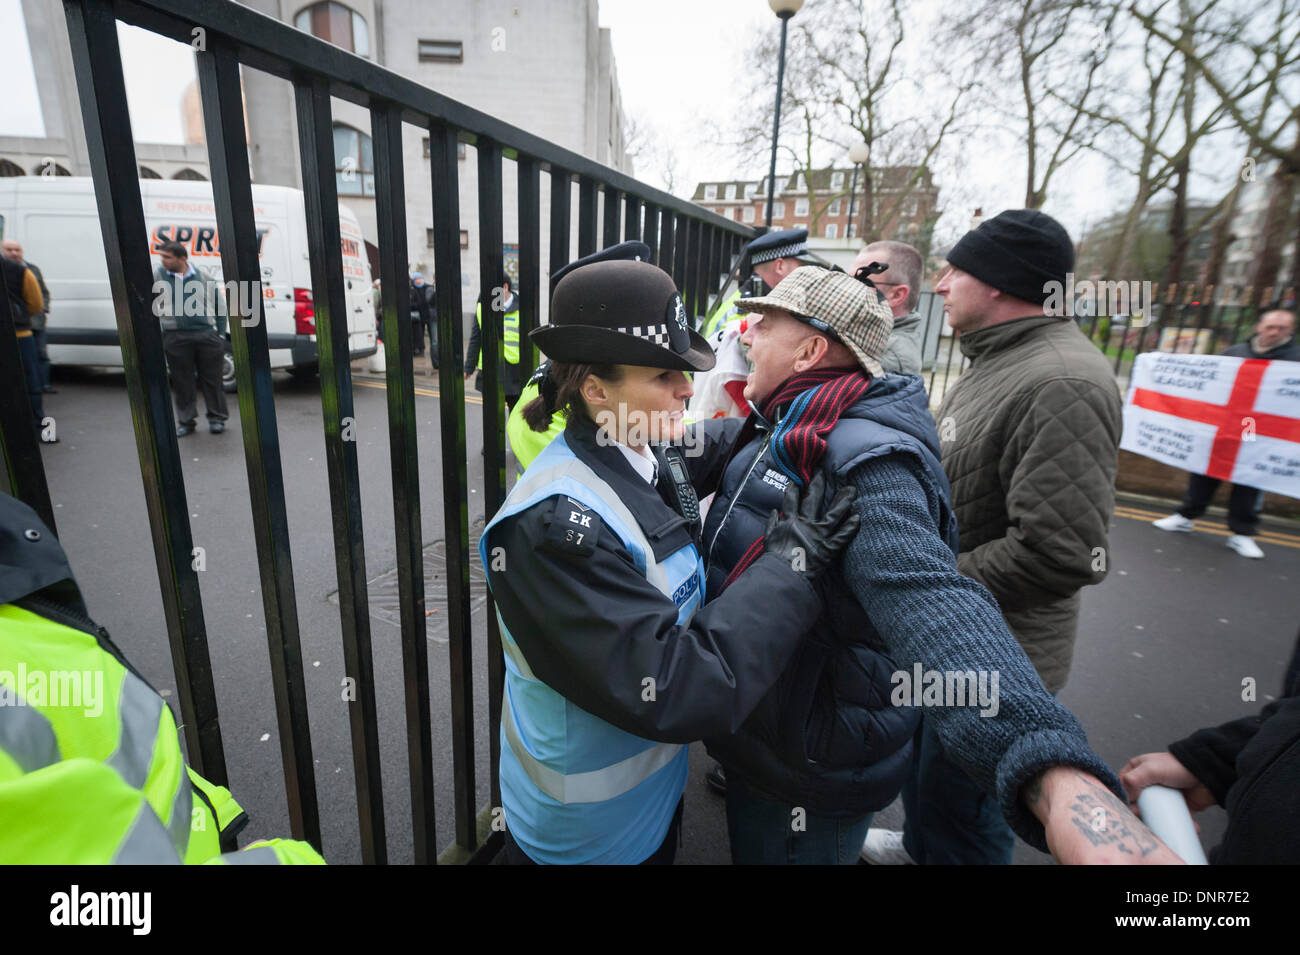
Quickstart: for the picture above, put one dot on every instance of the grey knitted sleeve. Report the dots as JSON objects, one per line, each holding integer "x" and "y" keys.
{"x": 906, "y": 580}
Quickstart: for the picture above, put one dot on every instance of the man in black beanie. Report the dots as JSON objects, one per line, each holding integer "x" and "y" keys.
{"x": 1030, "y": 442}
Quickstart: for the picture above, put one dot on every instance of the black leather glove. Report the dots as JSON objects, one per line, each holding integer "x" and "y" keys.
{"x": 797, "y": 535}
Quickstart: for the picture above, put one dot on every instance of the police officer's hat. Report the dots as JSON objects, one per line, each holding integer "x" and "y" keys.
{"x": 783, "y": 244}
{"x": 613, "y": 307}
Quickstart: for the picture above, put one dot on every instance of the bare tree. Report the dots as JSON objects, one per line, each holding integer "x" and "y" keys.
{"x": 1255, "y": 86}
{"x": 1052, "y": 53}
{"x": 846, "y": 82}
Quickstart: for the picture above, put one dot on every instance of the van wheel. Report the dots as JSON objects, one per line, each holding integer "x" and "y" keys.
{"x": 302, "y": 372}
{"x": 227, "y": 371}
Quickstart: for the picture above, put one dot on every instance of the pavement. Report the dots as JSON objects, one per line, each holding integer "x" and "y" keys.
{"x": 1164, "y": 643}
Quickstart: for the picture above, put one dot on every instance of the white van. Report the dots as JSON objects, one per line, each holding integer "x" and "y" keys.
{"x": 57, "y": 222}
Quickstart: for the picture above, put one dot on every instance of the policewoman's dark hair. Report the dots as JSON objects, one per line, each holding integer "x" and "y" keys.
{"x": 561, "y": 390}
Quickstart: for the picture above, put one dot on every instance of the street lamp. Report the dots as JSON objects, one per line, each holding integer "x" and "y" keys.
{"x": 784, "y": 9}
{"x": 858, "y": 153}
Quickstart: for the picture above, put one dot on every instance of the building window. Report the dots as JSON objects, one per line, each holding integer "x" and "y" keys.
{"x": 751, "y": 190}
{"x": 711, "y": 192}
{"x": 780, "y": 187}
{"x": 834, "y": 208}
{"x": 778, "y": 210}
{"x": 909, "y": 208}
{"x": 801, "y": 207}
{"x": 749, "y": 213}
{"x": 191, "y": 175}
{"x": 731, "y": 190}
{"x": 441, "y": 51}
{"x": 464, "y": 238}
{"x": 147, "y": 173}
{"x": 832, "y": 231}
{"x": 354, "y": 162}
{"x": 799, "y": 182}
{"x": 837, "y": 180}
{"x": 335, "y": 24}
{"x": 428, "y": 238}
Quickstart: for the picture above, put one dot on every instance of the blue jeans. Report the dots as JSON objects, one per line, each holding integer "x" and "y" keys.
{"x": 42, "y": 356}
{"x": 766, "y": 831}
{"x": 950, "y": 820}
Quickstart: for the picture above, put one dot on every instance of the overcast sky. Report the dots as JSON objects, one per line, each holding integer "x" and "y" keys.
{"x": 680, "y": 68}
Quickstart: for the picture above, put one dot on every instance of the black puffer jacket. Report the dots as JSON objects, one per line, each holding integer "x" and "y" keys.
{"x": 1252, "y": 766}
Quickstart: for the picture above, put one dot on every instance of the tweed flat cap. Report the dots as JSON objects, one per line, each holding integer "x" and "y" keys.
{"x": 835, "y": 303}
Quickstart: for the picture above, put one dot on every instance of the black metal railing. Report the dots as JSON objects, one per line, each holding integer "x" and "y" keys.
{"x": 695, "y": 246}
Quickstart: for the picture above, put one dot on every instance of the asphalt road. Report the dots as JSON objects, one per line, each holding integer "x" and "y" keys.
{"x": 1164, "y": 644}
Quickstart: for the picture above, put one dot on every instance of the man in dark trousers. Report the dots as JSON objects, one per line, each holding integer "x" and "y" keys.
{"x": 422, "y": 316}
{"x": 22, "y": 296}
{"x": 194, "y": 329}
{"x": 1274, "y": 339}
{"x": 13, "y": 251}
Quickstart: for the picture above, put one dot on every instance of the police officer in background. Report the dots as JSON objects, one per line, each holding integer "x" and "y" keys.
{"x": 511, "y": 382}
{"x": 772, "y": 256}
{"x": 613, "y": 663}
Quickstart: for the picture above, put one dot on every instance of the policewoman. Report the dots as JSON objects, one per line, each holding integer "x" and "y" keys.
{"x": 613, "y": 663}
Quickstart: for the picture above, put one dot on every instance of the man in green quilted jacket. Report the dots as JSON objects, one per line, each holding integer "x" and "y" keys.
{"x": 1030, "y": 436}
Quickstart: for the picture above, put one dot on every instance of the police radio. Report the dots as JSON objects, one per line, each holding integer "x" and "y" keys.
{"x": 678, "y": 488}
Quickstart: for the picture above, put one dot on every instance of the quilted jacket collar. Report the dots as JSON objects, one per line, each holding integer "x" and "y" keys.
{"x": 1003, "y": 336}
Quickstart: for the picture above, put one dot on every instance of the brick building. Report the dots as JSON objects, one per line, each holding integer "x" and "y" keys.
{"x": 825, "y": 213}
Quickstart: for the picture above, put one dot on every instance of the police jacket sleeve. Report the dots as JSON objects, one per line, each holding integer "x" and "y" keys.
{"x": 595, "y": 630}
{"x": 707, "y": 450}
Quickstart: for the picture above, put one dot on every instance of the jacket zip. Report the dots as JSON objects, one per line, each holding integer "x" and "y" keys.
{"x": 735, "y": 497}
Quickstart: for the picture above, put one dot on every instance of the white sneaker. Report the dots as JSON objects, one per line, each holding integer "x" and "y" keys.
{"x": 1174, "y": 522}
{"x": 885, "y": 847}
{"x": 1245, "y": 546}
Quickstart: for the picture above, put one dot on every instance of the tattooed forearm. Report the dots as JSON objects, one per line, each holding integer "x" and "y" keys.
{"x": 1108, "y": 822}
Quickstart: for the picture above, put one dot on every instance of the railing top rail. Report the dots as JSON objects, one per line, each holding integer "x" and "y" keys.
{"x": 275, "y": 47}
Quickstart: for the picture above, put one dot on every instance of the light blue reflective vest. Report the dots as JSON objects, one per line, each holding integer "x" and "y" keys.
{"x": 574, "y": 788}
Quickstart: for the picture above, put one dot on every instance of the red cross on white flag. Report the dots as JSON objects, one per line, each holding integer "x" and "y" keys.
{"x": 1236, "y": 419}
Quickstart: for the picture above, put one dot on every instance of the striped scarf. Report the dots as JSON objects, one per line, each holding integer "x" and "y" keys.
{"x": 816, "y": 398}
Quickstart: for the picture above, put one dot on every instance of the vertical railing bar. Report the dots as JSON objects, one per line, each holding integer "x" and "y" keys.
{"x": 404, "y": 455}
{"x": 101, "y": 90}
{"x": 667, "y": 245}
{"x": 223, "y": 116}
{"x": 444, "y": 174}
{"x": 631, "y": 218}
{"x": 586, "y": 217}
{"x": 612, "y": 214}
{"x": 530, "y": 272}
{"x": 561, "y": 202}
{"x": 650, "y": 231}
{"x": 324, "y": 244}
{"x": 491, "y": 271}
{"x": 689, "y": 286}
{"x": 715, "y": 267}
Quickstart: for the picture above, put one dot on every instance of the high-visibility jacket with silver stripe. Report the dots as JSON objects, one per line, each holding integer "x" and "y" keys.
{"x": 509, "y": 334}
{"x": 722, "y": 313}
{"x": 576, "y": 789}
{"x": 91, "y": 769}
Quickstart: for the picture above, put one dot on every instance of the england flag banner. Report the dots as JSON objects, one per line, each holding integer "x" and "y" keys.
{"x": 1237, "y": 419}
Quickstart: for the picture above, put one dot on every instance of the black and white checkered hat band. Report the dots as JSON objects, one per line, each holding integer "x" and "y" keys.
{"x": 779, "y": 252}
{"x": 655, "y": 334}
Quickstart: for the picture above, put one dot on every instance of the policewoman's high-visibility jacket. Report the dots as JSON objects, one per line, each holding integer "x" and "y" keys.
{"x": 91, "y": 768}
{"x": 611, "y": 660}
{"x": 526, "y": 443}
